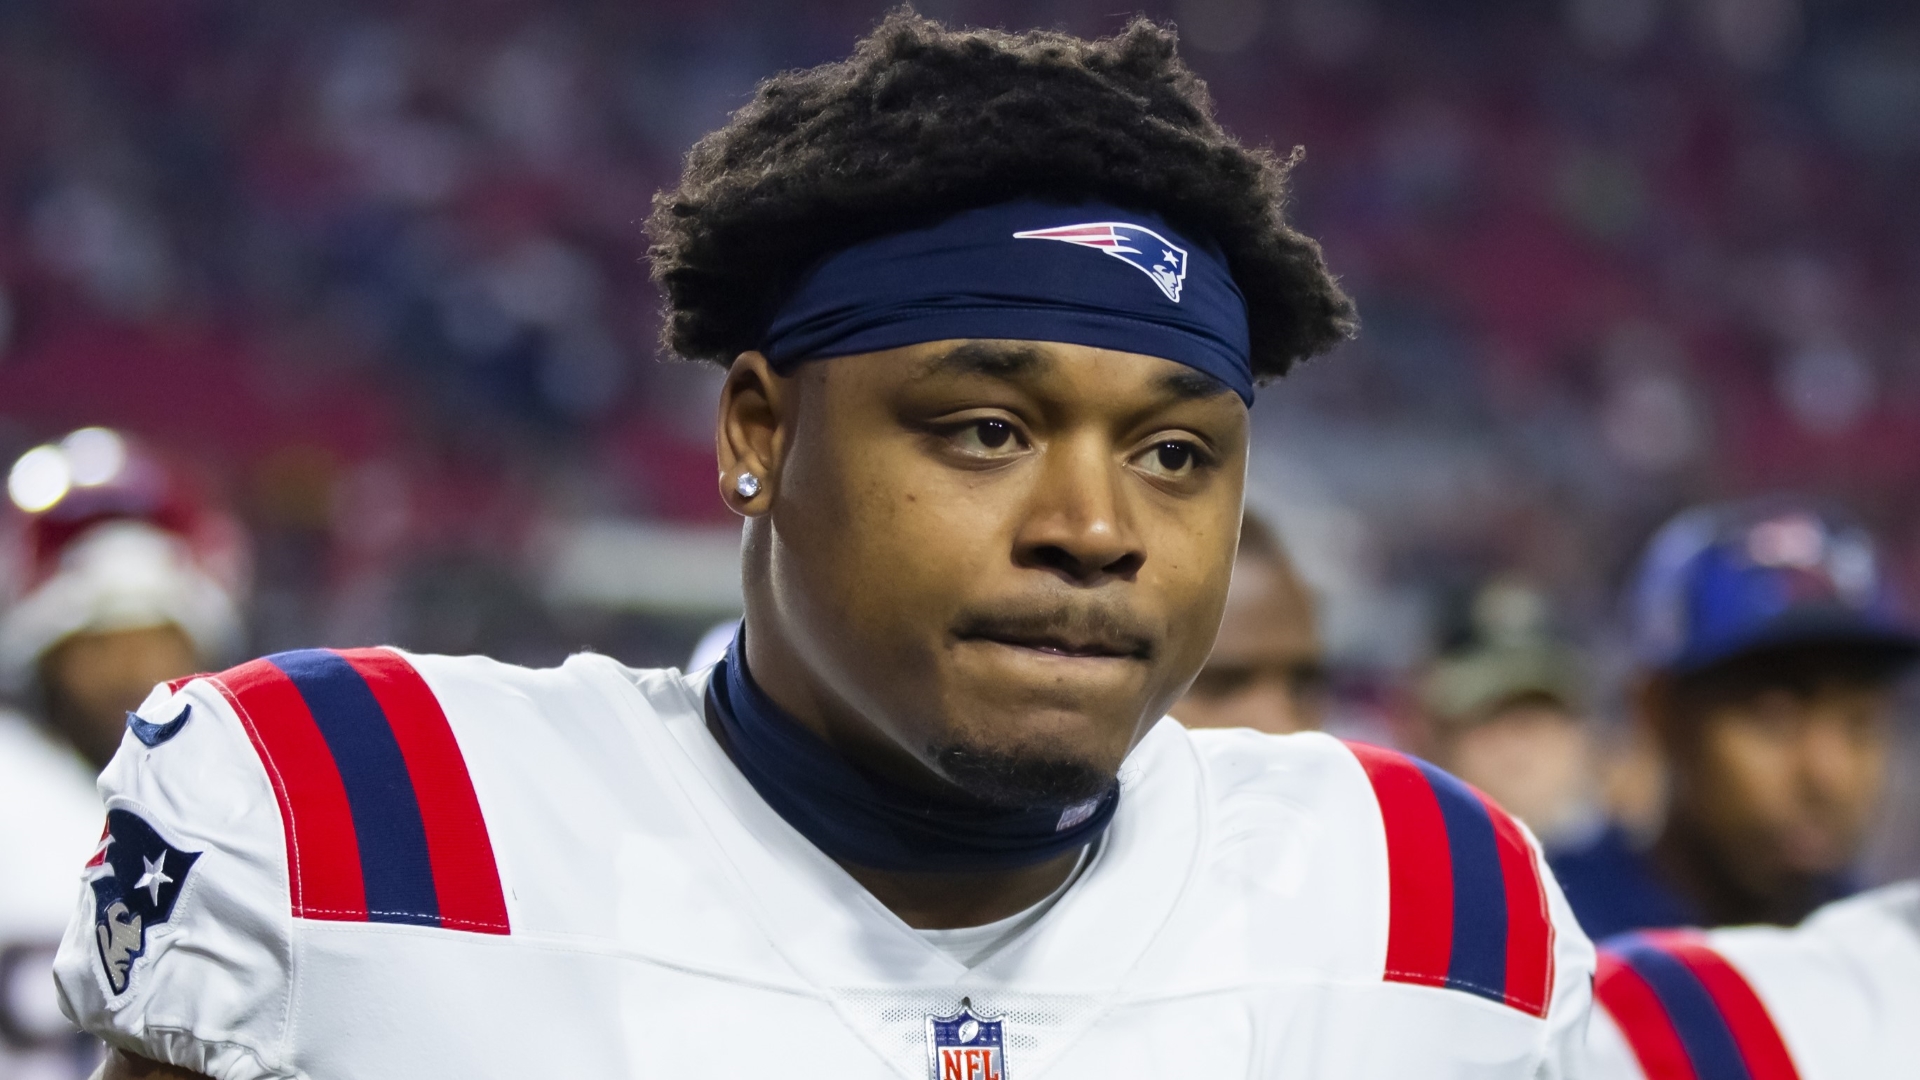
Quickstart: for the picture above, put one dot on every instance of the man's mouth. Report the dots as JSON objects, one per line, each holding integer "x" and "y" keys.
{"x": 1056, "y": 646}
{"x": 1072, "y": 646}
{"x": 1067, "y": 633}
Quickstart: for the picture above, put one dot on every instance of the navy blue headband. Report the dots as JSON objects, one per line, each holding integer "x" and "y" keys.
{"x": 1086, "y": 274}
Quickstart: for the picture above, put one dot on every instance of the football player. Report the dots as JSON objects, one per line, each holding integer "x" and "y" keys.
{"x": 114, "y": 584}
{"x": 1267, "y": 670}
{"x": 1770, "y": 644}
{"x": 1834, "y": 999}
{"x": 125, "y": 576}
{"x": 993, "y": 307}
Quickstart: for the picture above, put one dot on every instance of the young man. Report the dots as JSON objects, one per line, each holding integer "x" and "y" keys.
{"x": 122, "y": 575}
{"x": 1266, "y": 671}
{"x": 1770, "y": 644}
{"x": 993, "y": 307}
{"x": 108, "y": 593}
{"x": 1833, "y": 999}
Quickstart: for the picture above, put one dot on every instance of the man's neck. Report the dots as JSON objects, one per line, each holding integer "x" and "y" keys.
{"x": 924, "y": 901}
{"x": 947, "y": 901}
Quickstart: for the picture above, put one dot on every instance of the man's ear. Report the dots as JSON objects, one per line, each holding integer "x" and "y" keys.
{"x": 752, "y": 434}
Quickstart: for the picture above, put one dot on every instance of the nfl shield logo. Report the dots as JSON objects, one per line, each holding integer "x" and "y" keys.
{"x": 966, "y": 1047}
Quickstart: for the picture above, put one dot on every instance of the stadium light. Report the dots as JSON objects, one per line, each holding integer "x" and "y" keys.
{"x": 39, "y": 479}
{"x": 94, "y": 455}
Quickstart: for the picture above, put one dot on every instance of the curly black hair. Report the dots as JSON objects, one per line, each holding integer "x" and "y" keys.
{"x": 924, "y": 121}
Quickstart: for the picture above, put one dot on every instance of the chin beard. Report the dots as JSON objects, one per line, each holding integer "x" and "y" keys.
{"x": 1018, "y": 780}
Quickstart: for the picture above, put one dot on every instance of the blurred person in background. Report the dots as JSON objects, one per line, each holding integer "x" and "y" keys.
{"x": 118, "y": 578}
{"x": 1267, "y": 670}
{"x": 1507, "y": 713}
{"x": 1835, "y": 998}
{"x": 122, "y": 577}
{"x": 1768, "y": 642}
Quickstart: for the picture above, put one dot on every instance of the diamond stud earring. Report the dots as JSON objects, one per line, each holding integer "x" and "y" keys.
{"x": 748, "y": 485}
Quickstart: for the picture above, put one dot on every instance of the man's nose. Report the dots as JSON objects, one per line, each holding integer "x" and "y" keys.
{"x": 1078, "y": 523}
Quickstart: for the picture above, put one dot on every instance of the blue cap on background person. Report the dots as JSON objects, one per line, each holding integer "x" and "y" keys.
{"x": 1722, "y": 580}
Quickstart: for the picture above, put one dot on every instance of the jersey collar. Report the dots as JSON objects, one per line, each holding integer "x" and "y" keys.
{"x": 836, "y": 935}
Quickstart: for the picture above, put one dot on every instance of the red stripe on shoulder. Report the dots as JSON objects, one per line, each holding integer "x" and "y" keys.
{"x": 323, "y": 852}
{"x": 1419, "y": 868}
{"x": 174, "y": 686}
{"x": 1745, "y": 1014}
{"x": 465, "y": 875}
{"x": 1637, "y": 1012}
{"x": 100, "y": 848}
{"x": 1529, "y": 985}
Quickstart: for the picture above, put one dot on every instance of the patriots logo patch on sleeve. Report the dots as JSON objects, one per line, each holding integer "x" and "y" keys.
{"x": 136, "y": 877}
{"x": 1141, "y": 248}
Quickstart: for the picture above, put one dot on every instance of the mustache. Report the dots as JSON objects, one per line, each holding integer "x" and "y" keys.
{"x": 1109, "y": 629}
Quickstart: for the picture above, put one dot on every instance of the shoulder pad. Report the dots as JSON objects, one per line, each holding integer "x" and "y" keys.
{"x": 382, "y": 822}
{"x": 1686, "y": 1012}
{"x": 1467, "y": 905}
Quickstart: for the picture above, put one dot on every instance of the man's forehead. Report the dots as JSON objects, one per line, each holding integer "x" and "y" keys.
{"x": 1036, "y": 361}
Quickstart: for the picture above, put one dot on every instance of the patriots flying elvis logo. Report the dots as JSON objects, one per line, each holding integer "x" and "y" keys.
{"x": 1143, "y": 249}
{"x": 136, "y": 877}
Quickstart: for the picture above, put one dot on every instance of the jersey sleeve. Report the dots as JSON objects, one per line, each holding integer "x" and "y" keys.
{"x": 1473, "y": 908}
{"x": 1680, "y": 1009}
{"x": 180, "y": 949}
{"x": 1571, "y": 1010}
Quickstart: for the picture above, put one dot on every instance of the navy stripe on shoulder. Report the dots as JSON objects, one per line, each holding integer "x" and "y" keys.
{"x": 1696, "y": 1019}
{"x": 394, "y": 862}
{"x": 1479, "y": 960}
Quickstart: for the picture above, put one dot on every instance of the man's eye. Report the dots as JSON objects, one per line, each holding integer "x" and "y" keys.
{"x": 1173, "y": 460}
{"x": 987, "y": 437}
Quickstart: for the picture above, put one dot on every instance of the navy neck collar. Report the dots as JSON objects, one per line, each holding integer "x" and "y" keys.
{"x": 862, "y": 819}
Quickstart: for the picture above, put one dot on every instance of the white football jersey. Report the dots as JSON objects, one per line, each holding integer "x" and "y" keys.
{"x": 1837, "y": 998}
{"x": 369, "y": 864}
{"x": 52, "y": 815}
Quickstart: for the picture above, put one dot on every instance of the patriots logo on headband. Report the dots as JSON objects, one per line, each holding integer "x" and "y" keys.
{"x": 1143, "y": 249}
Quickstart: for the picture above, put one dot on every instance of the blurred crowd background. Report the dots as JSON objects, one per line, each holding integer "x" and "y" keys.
{"x": 372, "y": 276}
